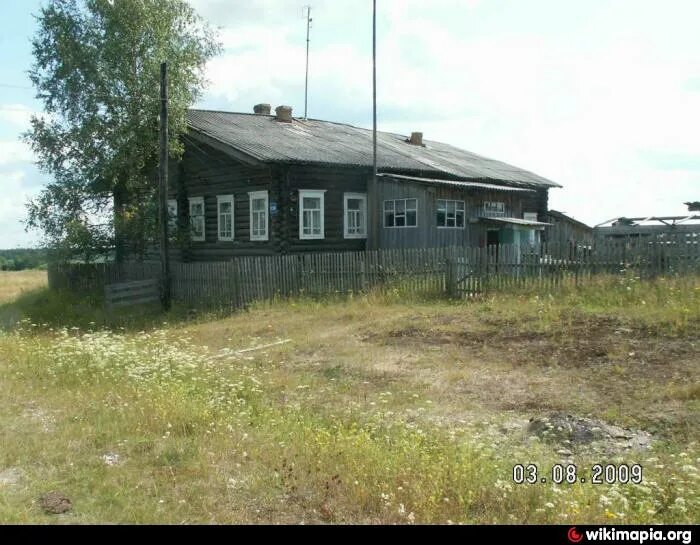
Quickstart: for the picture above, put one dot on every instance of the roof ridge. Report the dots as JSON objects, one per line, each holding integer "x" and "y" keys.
{"x": 301, "y": 119}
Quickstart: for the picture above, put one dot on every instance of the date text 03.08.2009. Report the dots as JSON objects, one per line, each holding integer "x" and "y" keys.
{"x": 571, "y": 474}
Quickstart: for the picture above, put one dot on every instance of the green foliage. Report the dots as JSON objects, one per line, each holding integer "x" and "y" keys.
{"x": 20, "y": 259}
{"x": 97, "y": 70}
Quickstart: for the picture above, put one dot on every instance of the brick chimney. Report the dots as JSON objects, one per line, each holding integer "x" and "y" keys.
{"x": 416, "y": 139}
{"x": 262, "y": 109}
{"x": 284, "y": 114}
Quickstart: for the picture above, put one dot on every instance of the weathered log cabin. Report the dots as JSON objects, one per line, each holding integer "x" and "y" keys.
{"x": 261, "y": 184}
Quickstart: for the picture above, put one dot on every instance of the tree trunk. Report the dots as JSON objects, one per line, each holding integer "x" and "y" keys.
{"x": 120, "y": 199}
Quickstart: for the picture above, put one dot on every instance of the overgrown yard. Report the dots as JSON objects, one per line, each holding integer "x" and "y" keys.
{"x": 372, "y": 409}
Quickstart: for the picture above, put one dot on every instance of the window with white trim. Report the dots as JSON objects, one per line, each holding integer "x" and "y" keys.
{"x": 172, "y": 216}
{"x": 450, "y": 214}
{"x": 196, "y": 218}
{"x": 401, "y": 213}
{"x": 224, "y": 213}
{"x": 355, "y": 213}
{"x": 259, "y": 205}
{"x": 311, "y": 208}
{"x": 493, "y": 209}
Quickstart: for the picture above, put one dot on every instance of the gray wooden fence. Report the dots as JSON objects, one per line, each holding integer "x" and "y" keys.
{"x": 135, "y": 292}
{"x": 455, "y": 271}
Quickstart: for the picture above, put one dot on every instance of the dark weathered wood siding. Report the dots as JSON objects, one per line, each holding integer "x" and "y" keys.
{"x": 563, "y": 231}
{"x": 207, "y": 172}
{"x": 336, "y": 181}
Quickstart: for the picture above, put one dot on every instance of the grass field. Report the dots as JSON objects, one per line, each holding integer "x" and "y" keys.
{"x": 371, "y": 409}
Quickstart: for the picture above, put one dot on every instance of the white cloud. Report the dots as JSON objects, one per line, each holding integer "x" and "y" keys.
{"x": 14, "y": 151}
{"x": 15, "y": 115}
{"x": 13, "y": 211}
{"x": 585, "y": 94}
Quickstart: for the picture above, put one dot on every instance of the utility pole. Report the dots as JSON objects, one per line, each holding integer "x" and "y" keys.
{"x": 373, "y": 202}
{"x": 306, "y": 84}
{"x": 163, "y": 188}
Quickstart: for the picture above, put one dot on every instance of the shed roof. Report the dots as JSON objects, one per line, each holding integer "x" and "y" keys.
{"x": 454, "y": 183}
{"x": 514, "y": 221}
{"x": 309, "y": 141}
{"x": 560, "y": 215}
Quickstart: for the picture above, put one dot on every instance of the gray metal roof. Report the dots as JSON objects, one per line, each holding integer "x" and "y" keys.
{"x": 263, "y": 138}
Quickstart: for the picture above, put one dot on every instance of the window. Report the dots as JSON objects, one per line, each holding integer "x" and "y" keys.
{"x": 532, "y": 235}
{"x": 310, "y": 214}
{"x": 494, "y": 209}
{"x": 224, "y": 212}
{"x": 355, "y": 206}
{"x": 450, "y": 214}
{"x": 401, "y": 213}
{"x": 197, "y": 218}
{"x": 172, "y": 216}
{"x": 258, "y": 215}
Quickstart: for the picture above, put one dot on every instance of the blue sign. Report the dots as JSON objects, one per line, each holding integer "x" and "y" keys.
{"x": 273, "y": 208}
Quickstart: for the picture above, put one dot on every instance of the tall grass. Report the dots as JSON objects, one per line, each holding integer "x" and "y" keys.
{"x": 206, "y": 434}
{"x": 179, "y": 417}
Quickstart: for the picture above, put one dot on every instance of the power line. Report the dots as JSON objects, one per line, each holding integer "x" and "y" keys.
{"x": 15, "y": 86}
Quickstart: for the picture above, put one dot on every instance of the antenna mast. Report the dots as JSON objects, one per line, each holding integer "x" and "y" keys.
{"x": 306, "y": 84}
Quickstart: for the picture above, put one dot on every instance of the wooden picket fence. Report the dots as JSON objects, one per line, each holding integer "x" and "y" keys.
{"x": 131, "y": 293}
{"x": 453, "y": 271}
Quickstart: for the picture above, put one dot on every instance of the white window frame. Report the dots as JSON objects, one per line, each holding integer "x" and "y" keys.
{"x": 494, "y": 209}
{"x": 405, "y": 208}
{"x": 463, "y": 210}
{"x": 311, "y": 193}
{"x": 193, "y": 201}
{"x": 533, "y": 235}
{"x": 172, "y": 216}
{"x": 363, "y": 214}
{"x": 256, "y": 195}
{"x": 221, "y": 199}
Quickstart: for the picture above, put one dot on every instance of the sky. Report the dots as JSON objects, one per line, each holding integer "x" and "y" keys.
{"x": 602, "y": 97}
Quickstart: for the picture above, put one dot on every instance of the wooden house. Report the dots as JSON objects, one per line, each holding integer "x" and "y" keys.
{"x": 262, "y": 184}
{"x": 565, "y": 231}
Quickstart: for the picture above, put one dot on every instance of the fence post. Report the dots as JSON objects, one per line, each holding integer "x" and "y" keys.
{"x": 451, "y": 277}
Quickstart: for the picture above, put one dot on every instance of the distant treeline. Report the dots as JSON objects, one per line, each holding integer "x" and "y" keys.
{"x": 20, "y": 259}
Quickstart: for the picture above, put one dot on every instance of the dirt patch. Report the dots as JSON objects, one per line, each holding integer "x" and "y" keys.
{"x": 580, "y": 341}
{"x": 575, "y": 432}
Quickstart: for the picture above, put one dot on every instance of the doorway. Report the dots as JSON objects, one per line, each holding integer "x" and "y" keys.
{"x": 492, "y": 237}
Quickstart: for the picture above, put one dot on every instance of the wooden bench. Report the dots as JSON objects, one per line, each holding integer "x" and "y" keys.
{"x": 132, "y": 293}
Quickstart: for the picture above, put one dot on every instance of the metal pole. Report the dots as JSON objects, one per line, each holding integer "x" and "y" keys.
{"x": 306, "y": 84}
{"x": 375, "y": 212}
{"x": 163, "y": 188}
